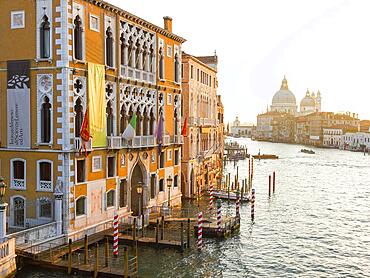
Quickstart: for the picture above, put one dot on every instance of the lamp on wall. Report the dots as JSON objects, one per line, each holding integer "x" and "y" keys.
{"x": 2, "y": 190}
{"x": 139, "y": 190}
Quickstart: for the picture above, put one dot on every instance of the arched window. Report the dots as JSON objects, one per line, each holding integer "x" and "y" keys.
{"x": 138, "y": 55}
{"x": 78, "y": 117}
{"x": 110, "y": 198}
{"x": 123, "y": 119}
{"x": 138, "y": 123}
{"x": 152, "y": 123}
{"x": 18, "y": 174}
{"x": 176, "y": 124}
{"x": 145, "y": 122}
{"x": 109, "y": 47}
{"x": 45, "y": 208}
{"x": 45, "y": 176}
{"x": 151, "y": 59}
{"x": 109, "y": 111}
{"x": 45, "y": 38}
{"x": 18, "y": 211}
{"x": 46, "y": 121}
{"x": 161, "y": 64}
{"x": 123, "y": 47}
{"x": 176, "y": 68}
{"x": 81, "y": 206}
{"x": 131, "y": 61}
{"x": 77, "y": 37}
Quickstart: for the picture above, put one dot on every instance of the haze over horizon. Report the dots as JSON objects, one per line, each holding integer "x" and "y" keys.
{"x": 319, "y": 45}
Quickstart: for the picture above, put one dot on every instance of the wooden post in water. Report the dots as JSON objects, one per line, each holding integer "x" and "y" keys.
{"x": 157, "y": 231}
{"x": 182, "y": 236}
{"x": 269, "y": 186}
{"x": 237, "y": 173}
{"x": 162, "y": 230}
{"x": 96, "y": 266}
{"x": 242, "y": 192}
{"x": 69, "y": 256}
{"x": 229, "y": 175}
{"x": 188, "y": 231}
{"x": 228, "y": 194}
{"x": 134, "y": 230}
{"x": 106, "y": 252}
{"x": 86, "y": 251}
{"x": 273, "y": 182}
{"x": 126, "y": 262}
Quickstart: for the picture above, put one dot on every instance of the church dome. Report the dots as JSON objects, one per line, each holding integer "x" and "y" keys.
{"x": 284, "y": 96}
{"x": 308, "y": 100}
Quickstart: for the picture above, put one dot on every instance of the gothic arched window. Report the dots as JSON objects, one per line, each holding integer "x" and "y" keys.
{"x": 176, "y": 68}
{"x": 161, "y": 64}
{"x": 109, "y": 111}
{"x": 123, "y": 46}
{"x": 137, "y": 56}
{"x": 46, "y": 121}
{"x": 109, "y": 47}
{"x": 123, "y": 119}
{"x": 78, "y": 109}
{"x": 45, "y": 38}
{"x": 77, "y": 37}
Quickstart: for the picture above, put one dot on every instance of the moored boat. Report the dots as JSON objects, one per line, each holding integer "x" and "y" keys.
{"x": 265, "y": 156}
{"x": 307, "y": 151}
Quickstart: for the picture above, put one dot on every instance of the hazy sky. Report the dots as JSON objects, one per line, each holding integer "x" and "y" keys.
{"x": 318, "y": 44}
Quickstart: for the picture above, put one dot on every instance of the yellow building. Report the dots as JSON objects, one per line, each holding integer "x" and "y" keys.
{"x": 203, "y": 146}
{"x": 60, "y": 58}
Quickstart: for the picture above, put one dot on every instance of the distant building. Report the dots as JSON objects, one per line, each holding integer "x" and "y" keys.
{"x": 240, "y": 129}
{"x": 332, "y": 137}
{"x": 365, "y": 126}
{"x": 356, "y": 141}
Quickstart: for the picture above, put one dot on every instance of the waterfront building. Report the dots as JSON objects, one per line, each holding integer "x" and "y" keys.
{"x": 275, "y": 127}
{"x": 203, "y": 145}
{"x": 239, "y": 129}
{"x": 365, "y": 126}
{"x": 79, "y": 67}
{"x": 355, "y": 141}
{"x": 332, "y": 137}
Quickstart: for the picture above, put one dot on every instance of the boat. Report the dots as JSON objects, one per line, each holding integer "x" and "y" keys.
{"x": 265, "y": 156}
{"x": 307, "y": 151}
{"x": 232, "y": 195}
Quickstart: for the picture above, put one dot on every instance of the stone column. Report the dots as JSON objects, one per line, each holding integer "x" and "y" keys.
{"x": 59, "y": 212}
{"x": 3, "y": 221}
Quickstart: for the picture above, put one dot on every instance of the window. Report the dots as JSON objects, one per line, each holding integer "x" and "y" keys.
{"x": 161, "y": 160}
{"x": 81, "y": 206}
{"x": 152, "y": 186}
{"x": 169, "y": 155}
{"x": 94, "y": 23}
{"x": 77, "y": 38}
{"x": 182, "y": 70}
{"x": 191, "y": 71}
{"x": 169, "y": 51}
{"x": 161, "y": 185}
{"x": 111, "y": 166}
{"x": 110, "y": 198}
{"x": 197, "y": 74}
{"x": 46, "y": 121}
{"x": 176, "y": 181}
{"x": 45, "y": 208}
{"x": 17, "y": 20}
{"x": 123, "y": 194}
{"x": 110, "y": 123}
{"x": 96, "y": 163}
{"x": 177, "y": 157}
{"x": 78, "y": 109}
{"x": 18, "y": 174}
{"x": 81, "y": 175}
{"x": 169, "y": 99}
{"x": 45, "y": 38}
{"x": 109, "y": 47}
{"x": 177, "y": 67}
{"x": 45, "y": 176}
{"x": 161, "y": 64}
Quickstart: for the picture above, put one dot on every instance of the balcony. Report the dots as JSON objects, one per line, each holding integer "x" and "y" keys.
{"x": 178, "y": 139}
{"x": 114, "y": 142}
{"x": 205, "y": 121}
{"x": 45, "y": 186}
{"x": 193, "y": 121}
{"x": 166, "y": 140}
{"x": 79, "y": 146}
{"x": 137, "y": 74}
{"x": 139, "y": 142}
{"x": 18, "y": 184}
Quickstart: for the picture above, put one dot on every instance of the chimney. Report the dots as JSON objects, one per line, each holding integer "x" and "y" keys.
{"x": 167, "y": 23}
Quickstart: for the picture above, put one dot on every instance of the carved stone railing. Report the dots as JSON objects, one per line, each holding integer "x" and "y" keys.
{"x": 79, "y": 146}
{"x": 139, "y": 142}
{"x": 137, "y": 74}
{"x": 35, "y": 234}
{"x": 19, "y": 184}
{"x": 114, "y": 142}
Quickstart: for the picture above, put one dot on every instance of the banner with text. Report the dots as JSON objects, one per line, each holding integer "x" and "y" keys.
{"x": 96, "y": 104}
{"x": 18, "y": 104}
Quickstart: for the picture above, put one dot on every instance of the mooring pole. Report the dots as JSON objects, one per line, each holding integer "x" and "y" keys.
{"x": 269, "y": 186}
{"x": 188, "y": 233}
{"x": 182, "y": 236}
{"x": 273, "y": 182}
{"x": 69, "y": 256}
{"x": 162, "y": 230}
{"x": 237, "y": 173}
{"x": 242, "y": 191}
{"x": 126, "y": 262}
{"x": 134, "y": 230}
{"x": 157, "y": 231}
{"x": 86, "y": 251}
{"x": 252, "y": 204}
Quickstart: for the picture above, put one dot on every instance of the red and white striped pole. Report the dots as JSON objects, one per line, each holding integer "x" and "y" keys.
{"x": 210, "y": 197}
{"x": 252, "y": 168}
{"x": 200, "y": 230}
{"x": 237, "y": 205}
{"x": 219, "y": 215}
{"x": 115, "y": 234}
{"x": 252, "y": 203}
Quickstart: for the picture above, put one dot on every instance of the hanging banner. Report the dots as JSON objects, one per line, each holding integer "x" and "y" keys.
{"x": 18, "y": 104}
{"x": 96, "y": 104}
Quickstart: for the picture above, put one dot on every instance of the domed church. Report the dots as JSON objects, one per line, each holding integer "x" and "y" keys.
{"x": 284, "y": 101}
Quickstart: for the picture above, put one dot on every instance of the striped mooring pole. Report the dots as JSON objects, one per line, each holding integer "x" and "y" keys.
{"x": 252, "y": 203}
{"x": 237, "y": 205}
{"x": 210, "y": 197}
{"x": 219, "y": 215}
{"x": 200, "y": 230}
{"x": 115, "y": 234}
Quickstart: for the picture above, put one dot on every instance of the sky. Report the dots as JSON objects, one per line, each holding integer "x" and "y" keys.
{"x": 317, "y": 44}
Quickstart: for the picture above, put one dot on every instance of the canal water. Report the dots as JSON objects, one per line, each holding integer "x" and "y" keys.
{"x": 317, "y": 224}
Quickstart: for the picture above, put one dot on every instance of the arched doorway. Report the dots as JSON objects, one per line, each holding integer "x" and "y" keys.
{"x": 137, "y": 177}
{"x": 19, "y": 214}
